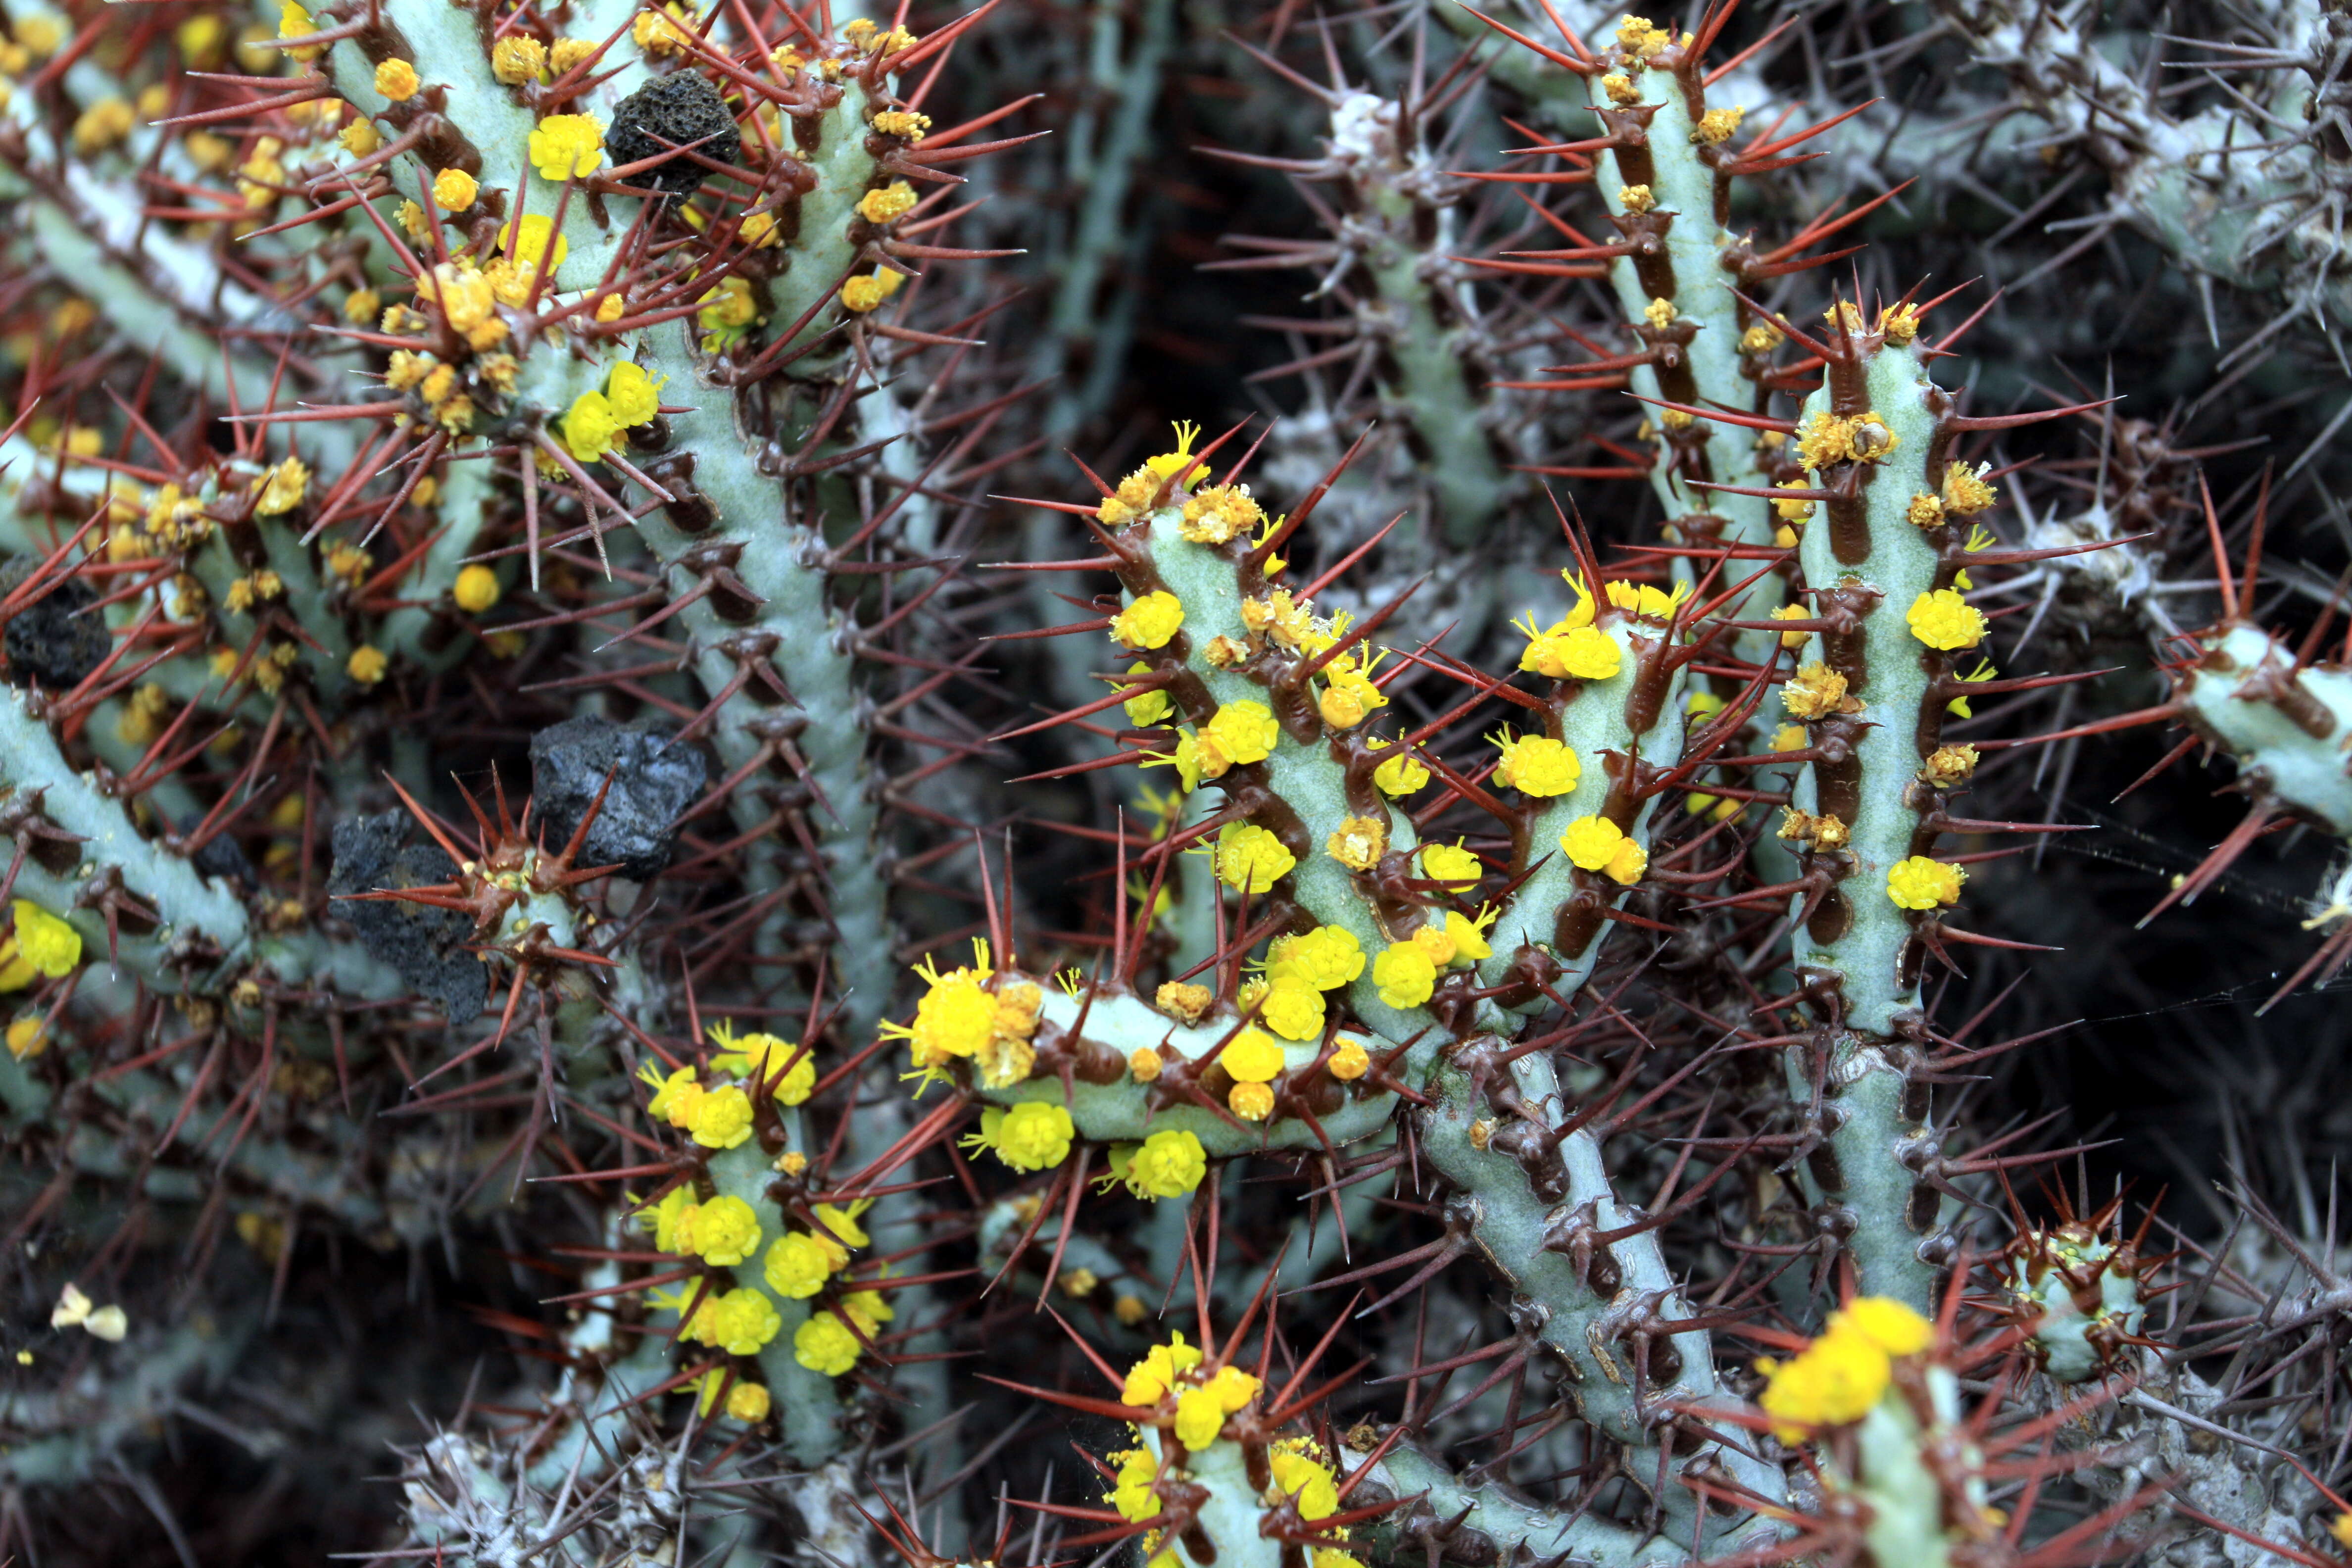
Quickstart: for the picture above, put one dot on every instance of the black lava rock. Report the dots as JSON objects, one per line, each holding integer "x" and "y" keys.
{"x": 50, "y": 640}
{"x": 676, "y": 111}
{"x": 653, "y": 779}
{"x": 425, "y": 943}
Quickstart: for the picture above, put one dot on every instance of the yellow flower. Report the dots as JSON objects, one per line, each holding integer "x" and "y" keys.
{"x": 1716, "y": 126}
{"x": 367, "y": 664}
{"x": 1149, "y": 621}
{"x": 1251, "y": 859}
{"x": 27, "y": 1038}
{"x": 1250, "y": 1101}
{"x": 1793, "y": 613}
{"x": 955, "y": 1018}
{"x": 1293, "y": 1009}
{"x": 1837, "y": 1379}
{"x": 823, "y": 1344}
{"x": 1350, "y": 1061}
{"x": 1919, "y": 883}
{"x": 396, "y": 79}
{"x": 1468, "y": 936}
{"x": 589, "y": 427}
{"x": 1151, "y": 707}
{"x": 1325, "y": 957}
{"x": 742, "y": 1321}
{"x": 1244, "y": 732}
{"x": 477, "y": 589}
{"x": 281, "y": 489}
{"x": 1359, "y": 842}
{"x": 44, "y": 942}
{"x": 669, "y": 1091}
{"x": 455, "y": 190}
{"x": 634, "y": 396}
{"x": 1942, "y": 619}
{"x": 797, "y": 1266}
{"x": 1965, "y": 490}
{"x": 1536, "y": 765}
{"x": 868, "y": 290}
{"x": 722, "y": 1232}
{"x": 567, "y": 146}
{"x": 1597, "y": 844}
{"x": 1815, "y": 691}
{"x": 1131, "y": 1493}
{"x": 749, "y": 1402}
{"x": 1251, "y": 1058}
{"x": 1200, "y": 1416}
{"x": 1167, "y": 1165}
{"x": 722, "y": 1119}
{"x": 1405, "y": 974}
{"x": 1794, "y": 511}
{"x": 891, "y": 202}
{"x": 534, "y": 244}
{"x": 1452, "y": 866}
{"x": 517, "y": 59}
{"x": 359, "y": 138}
{"x": 1148, "y": 1380}
{"x": 902, "y": 123}
{"x": 1032, "y": 1136}
{"x": 1887, "y": 1323}
{"x": 1399, "y": 775}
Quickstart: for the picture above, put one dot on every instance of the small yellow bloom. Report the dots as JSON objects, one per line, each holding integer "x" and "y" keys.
{"x": 722, "y": 1119}
{"x": 1250, "y": 859}
{"x": 722, "y": 1232}
{"x": 567, "y": 146}
{"x": 47, "y": 945}
{"x": 1149, "y": 621}
{"x": 477, "y": 589}
{"x": 455, "y": 190}
{"x": 797, "y": 1266}
{"x": 749, "y": 1402}
{"x": 281, "y": 489}
{"x": 1399, "y": 775}
{"x": 1813, "y": 692}
{"x": 1537, "y": 765}
{"x": 1716, "y": 126}
{"x": 890, "y": 202}
{"x": 367, "y": 664}
{"x": 1032, "y": 1136}
{"x": 27, "y": 1038}
{"x": 1244, "y": 732}
{"x": 517, "y": 59}
{"x": 396, "y": 79}
{"x": 1167, "y": 1165}
{"x": 1944, "y": 620}
{"x": 823, "y": 1344}
{"x": 1405, "y": 974}
{"x": 1359, "y": 842}
{"x": 1919, "y": 883}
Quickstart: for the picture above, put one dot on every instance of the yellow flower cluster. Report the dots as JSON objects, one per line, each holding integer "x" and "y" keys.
{"x": 567, "y": 146}
{"x": 1569, "y": 652}
{"x": 1917, "y": 882}
{"x": 1650, "y": 603}
{"x": 1250, "y": 859}
{"x": 868, "y": 290}
{"x": 281, "y": 489}
{"x": 1406, "y": 971}
{"x": 41, "y": 944}
{"x": 629, "y": 398}
{"x": 1640, "y": 39}
{"x": 1536, "y": 765}
{"x": 1167, "y": 1165}
{"x": 1841, "y": 1376}
{"x": 1965, "y": 490}
{"x": 1597, "y": 844}
{"x": 1149, "y": 621}
{"x": 1815, "y": 691}
{"x": 1216, "y": 515}
{"x": 754, "y": 1057}
{"x": 1398, "y": 776}
{"x": 1716, "y": 126}
{"x": 1032, "y": 1136}
{"x": 1829, "y": 439}
{"x": 1944, "y": 620}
